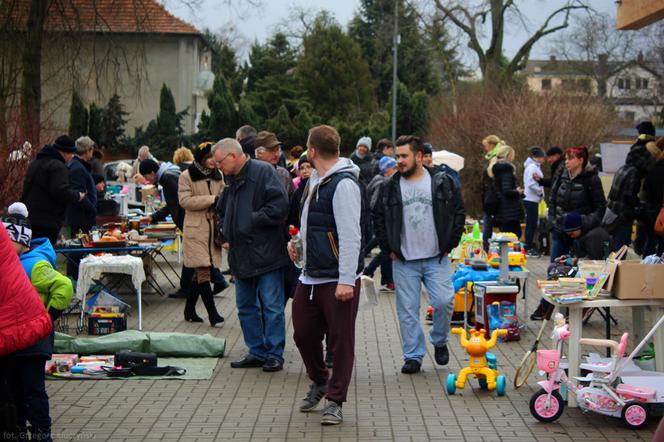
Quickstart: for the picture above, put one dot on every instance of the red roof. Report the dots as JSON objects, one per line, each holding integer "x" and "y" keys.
{"x": 113, "y": 16}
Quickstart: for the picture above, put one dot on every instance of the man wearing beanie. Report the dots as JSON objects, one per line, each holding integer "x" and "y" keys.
{"x": 55, "y": 290}
{"x": 362, "y": 159}
{"x": 646, "y": 132}
{"x": 47, "y": 191}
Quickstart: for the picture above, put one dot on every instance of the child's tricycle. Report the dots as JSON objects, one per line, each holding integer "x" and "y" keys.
{"x": 602, "y": 391}
{"x": 482, "y": 365}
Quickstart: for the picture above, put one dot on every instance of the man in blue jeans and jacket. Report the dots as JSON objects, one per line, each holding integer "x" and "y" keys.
{"x": 420, "y": 219}
{"x": 253, "y": 210}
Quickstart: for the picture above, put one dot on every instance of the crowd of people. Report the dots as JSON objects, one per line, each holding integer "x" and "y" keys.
{"x": 240, "y": 198}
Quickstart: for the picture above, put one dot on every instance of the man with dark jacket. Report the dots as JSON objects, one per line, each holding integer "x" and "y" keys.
{"x": 253, "y": 211}
{"x": 554, "y": 156}
{"x": 652, "y": 202}
{"x": 420, "y": 219}
{"x": 623, "y": 200}
{"x": 47, "y": 191}
{"x": 647, "y": 133}
{"x": 82, "y": 216}
{"x": 363, "y": 159}
{"x": 327, "y": 296}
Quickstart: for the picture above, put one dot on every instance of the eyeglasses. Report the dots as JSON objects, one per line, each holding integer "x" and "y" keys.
{"x": 218, "y": 162}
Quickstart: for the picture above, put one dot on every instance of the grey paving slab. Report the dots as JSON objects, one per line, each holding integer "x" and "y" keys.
{"x": 383, "y": 404}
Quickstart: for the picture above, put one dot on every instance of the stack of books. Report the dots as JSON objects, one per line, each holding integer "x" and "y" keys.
{"x": 565, "y": 290}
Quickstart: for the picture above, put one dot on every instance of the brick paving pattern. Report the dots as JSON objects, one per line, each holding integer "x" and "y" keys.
{"x": 383, "y": 404}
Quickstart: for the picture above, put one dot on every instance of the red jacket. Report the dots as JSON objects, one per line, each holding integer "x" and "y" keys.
{"x": 23, "y": 317}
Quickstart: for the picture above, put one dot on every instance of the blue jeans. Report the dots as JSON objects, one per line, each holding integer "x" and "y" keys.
{"x": 532, "y": 217}
{"x": 436, "y": 275}
{"x": 560, "y": 244}
{"x": 622, "y": 235}
{"x": 488, "y": 229}
{"x": 260, "y": 306}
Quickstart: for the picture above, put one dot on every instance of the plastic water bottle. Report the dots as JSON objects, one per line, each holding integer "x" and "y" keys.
{"x": 296, "y": 244}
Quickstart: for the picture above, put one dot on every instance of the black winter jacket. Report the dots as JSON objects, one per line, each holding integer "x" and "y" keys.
{"x": 84, "y": 213}
{"x": 365, "y": 167}
{"x": 623, "y": 198}
{"x": 46, "y": 189}
{"x": 583, "y": 194}
{"x": 448, "y": 213}
{"x": 296, "y": 203}
{"x": 253, "y": 211}
{"x": 510, "y": 207}
{"x": 653, "y": 193}
{"x": 169, "y": 182}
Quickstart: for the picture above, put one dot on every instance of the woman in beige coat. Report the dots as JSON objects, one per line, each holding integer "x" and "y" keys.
{"x": 199, "y": 187}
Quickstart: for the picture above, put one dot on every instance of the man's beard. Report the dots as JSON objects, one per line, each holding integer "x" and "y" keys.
{"x": 410, "y": 171}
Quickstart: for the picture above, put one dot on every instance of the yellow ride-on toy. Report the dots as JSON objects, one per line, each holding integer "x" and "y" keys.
{"x": 482, "y": 365}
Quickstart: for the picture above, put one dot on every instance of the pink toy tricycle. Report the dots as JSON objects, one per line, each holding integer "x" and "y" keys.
{"x": 602, "y": 391}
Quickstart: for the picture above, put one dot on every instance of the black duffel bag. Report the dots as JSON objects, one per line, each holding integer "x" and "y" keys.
{"x": 133, "y": 359}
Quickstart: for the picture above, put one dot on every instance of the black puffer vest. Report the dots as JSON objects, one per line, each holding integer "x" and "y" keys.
{"x": 322, "y": 236}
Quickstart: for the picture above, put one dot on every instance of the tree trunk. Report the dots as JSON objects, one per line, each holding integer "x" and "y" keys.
{"x": 31, "y": 81}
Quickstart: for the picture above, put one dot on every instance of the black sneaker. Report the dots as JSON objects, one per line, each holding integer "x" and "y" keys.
{"x": 442, "y": 355}
{"x": 178, "y": 295}
{"x": 411, "y": 366}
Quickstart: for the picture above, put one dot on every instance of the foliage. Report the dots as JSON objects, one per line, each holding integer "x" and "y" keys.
{"x": 78, "y": 117}
{"x": 519, "y": 117}
{"x": 96, "y": 123}
{"x": 412, "y": 111}
{"x": 333, "y": 72}
{"x": 223, "y": 119}
{"x": 164, "y": 134}
{"x": 113, "y": 124}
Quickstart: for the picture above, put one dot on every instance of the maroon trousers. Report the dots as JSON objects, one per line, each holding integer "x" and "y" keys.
{"x": 317, "y": 312}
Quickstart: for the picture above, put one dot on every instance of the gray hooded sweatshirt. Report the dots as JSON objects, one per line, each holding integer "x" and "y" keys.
{"x": 347, "y": 206}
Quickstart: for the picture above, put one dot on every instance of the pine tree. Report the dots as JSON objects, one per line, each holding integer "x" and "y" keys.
{"x": 113, "y": 123}
{"x": 78, "y": 117}
{"x": 334, "y": 73}
{"x": 167, "y": 116}
{"x": 223, "y": 114}
{"x": 96, "y": 123}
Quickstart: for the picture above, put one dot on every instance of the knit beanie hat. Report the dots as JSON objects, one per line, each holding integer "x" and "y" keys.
{"x": 428, "y": 149}
{"x": 203, "y": 150}
{"x": 646, "y": 128}
{"x": 385, "y": 164}
{"x": 537, "y": 152}
{"x": 65, "y": 143}
{"x": 573, "y": 221}
{"x": 17, "y": 224}
{"x": 364, "y": 141}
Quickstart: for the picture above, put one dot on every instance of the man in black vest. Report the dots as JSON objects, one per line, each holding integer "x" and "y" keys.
{"x": 327, "y": 296}
{"x": 419, "y": 218}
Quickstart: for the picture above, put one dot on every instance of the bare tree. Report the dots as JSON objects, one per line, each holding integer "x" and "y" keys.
{"x": 471, "y": 20}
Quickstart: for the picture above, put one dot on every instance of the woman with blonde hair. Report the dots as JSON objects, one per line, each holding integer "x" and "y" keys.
{"x": 491, "y": 145}
{"x": 183, "y": 157}
{"x": 509, "y": 208}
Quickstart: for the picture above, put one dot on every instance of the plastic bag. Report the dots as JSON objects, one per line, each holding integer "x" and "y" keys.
{"x": 105, "y": 299}
{"x": 368, "y": 298}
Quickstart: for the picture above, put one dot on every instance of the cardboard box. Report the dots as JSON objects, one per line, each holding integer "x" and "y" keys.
{"x": 634, "y": 280}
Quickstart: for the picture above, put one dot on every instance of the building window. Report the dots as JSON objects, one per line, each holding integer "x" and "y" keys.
{"x": 644, "y": 83}
{"x": 568, "y": 84}
{"x": 637, "y": 83}
{"x": 621, "y": 83}
{"x": 583, "y": 85}
{"x": 628, "y": 115}
{"x": 628, "y": 84}
{"x": 546, "y": 84}
{"x": 641, "y": 83}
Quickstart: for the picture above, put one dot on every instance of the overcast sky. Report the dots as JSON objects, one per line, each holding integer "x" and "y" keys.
{"x": 260, "y": 23}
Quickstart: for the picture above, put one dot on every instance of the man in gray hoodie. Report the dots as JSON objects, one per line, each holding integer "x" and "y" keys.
{"x": 327, "y": 296}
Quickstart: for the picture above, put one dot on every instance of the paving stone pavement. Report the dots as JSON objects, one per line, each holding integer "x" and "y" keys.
{"x": 383, "y": 404}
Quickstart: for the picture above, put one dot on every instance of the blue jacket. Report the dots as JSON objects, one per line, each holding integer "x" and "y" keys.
{"x": 85, "y": 212}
